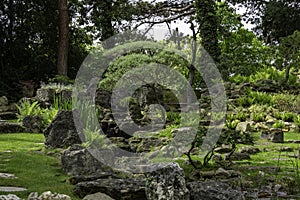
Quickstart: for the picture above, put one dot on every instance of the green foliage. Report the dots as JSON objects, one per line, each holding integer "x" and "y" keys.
{"x": 287, "y": 116}
{"x": 60, "y": 104}
{"x": 286, "y": 102}
{"x": 232, "y": 124}
{"x": 279, "y": 124}
{"x": 243, "y": 54}
{"x": 26, "y": 108}
{"x": 264, "y": 73}
{"x": 258, "y": 116}
{"x": 94, "y": 139}
{"x": 242, "y": 116}
{"x": 167, "y": 132}
{"x": 260, "y": 98}
{"x": 48, "y": 114}
{"x": 173, "y": 117}
{"x": 297, "y": 120}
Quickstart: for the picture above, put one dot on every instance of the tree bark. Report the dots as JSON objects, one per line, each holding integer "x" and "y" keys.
{"x": 63, "y": 49}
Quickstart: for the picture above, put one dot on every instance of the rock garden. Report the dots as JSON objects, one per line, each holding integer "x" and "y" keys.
{"x": 45, "y": 155}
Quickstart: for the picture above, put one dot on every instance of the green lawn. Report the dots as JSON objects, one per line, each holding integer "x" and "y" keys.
{"x": 35, "y": 170}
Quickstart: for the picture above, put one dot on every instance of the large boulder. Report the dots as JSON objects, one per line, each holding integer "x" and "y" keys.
{"x": 78, "y": 161}
{"x": 121, "y": 189}
{"x": 167, "y": 182}
{"x": 97, "y": 196}
{"x": 32, "y": 124}
{"x": 212, "y": 190}
{"x": 62, "y": 131}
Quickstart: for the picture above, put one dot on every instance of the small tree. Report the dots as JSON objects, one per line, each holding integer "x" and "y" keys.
{"x": 289, "y": 53}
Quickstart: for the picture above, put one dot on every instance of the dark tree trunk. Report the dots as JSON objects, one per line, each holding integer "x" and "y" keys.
{"x": 63, "y": 49}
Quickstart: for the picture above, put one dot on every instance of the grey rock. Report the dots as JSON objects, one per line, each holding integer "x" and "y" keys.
{"x": 7, "y": 176}
{"x": 45, "y": 95}
{"x": 236, "y": 156}
{"x": 48, "y": 196}
{"x": 9, "y": 197}
{"x": 3, "y": 101}
{"x": 121, "y": 189}
{"x": 212, "y": 190}
{"x": 79, "y": 161}
{"x": 32, "y": 124}
{"x": 8, "y": 116}
{"x": 277, "y": 136}
{"x": 62, "y": 132}
{"x": 243, "y": 127}
{"x": 249, "y": 150}
{"x": 167, "y": 182}
{"x": 9, "y": 127}
{"x": 97, "y": 196}
{"x": 12, "y": 189}
{"x": 102, "y": 98}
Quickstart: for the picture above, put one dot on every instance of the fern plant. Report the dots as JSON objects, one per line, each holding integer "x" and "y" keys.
{"x": 26, "y": 108}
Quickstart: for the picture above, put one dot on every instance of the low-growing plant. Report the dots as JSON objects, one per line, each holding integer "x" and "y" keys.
{"x": 94, "y": 139}
{"x": 167, "y": 132}
{"x": 297, "y": 120}
{"x": 279, "y": 124}
{"x": 287, "y": 116}
{"x": 60, "y": 104}
{"x": 173, "y": 117}
{"x": 230, "y": 117}
{"x": 242, "y": 116}
{"x": 48, "y": 115}
{"x": 232, "y": 124}
{"x": 242, "y": 101}
{"x": 26, "y": 108}
{"x": 286, "y": 102}
{"x": 257, "y": 116}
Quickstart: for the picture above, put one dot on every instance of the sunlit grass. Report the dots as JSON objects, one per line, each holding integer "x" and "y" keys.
{"x": 23, "y": 155}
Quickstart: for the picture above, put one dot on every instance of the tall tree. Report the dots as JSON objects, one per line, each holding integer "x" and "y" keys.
{"x": 63, "y": 49}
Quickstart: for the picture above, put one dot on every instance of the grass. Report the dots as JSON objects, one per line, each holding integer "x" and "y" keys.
{"x": 35, "y": 170}
{"x": 274, "y": 164}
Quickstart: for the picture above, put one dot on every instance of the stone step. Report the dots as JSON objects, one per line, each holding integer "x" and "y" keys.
{"x": 8, "y": 116}
{"x": 12, "y": 189}
{"x": 9, "y": 127}
{"x": 7, "y": 176}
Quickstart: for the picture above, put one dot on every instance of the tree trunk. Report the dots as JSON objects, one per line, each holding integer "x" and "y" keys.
{"x": 63, "y": 49}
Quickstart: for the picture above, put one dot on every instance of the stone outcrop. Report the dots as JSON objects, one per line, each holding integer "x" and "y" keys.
{"x": 79, "y": 161}
{"x": 32, "y": 124}
{"x": 9, "y": 127}
{"x": 62, "y": 131}
{"x": 212, "y": 190}
{"x": 167, "y": 183}
{"x": 121, "y": 189}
